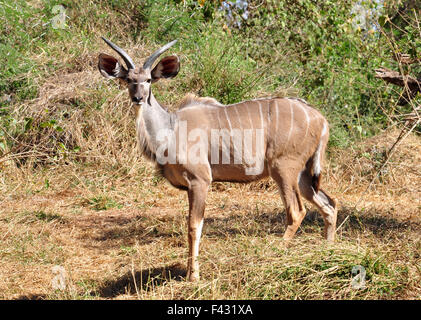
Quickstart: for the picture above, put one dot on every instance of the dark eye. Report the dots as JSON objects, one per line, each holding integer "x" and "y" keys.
{"x": 149, "y": 80}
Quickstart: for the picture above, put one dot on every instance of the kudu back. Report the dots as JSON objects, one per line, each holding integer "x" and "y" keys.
{"x": 205, "y": 141}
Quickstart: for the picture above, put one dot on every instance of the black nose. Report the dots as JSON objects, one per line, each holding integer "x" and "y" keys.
{"x": 137, "y": 99}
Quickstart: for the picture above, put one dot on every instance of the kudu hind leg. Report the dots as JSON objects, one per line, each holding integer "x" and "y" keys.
{"x": 326, "y": 205}
{"x": 294, "y": 208}
{"x": 197, "y": 196}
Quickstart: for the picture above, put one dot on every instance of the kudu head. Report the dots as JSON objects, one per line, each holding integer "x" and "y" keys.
{"x": 138, "y": 79}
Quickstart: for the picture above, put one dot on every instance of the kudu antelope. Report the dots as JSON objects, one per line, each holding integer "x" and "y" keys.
{"x": 290, "y": 139}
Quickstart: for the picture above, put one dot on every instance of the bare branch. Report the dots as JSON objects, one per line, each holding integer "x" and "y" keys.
{"x": 413, "y": 85}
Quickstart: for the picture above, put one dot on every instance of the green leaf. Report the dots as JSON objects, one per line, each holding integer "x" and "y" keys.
{"x": 28, "y": 123}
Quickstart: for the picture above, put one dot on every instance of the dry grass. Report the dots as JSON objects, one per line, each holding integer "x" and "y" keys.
{"x": 121, "y": 234}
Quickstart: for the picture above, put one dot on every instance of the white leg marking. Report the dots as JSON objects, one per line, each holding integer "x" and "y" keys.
{"x": 196, "y": 243}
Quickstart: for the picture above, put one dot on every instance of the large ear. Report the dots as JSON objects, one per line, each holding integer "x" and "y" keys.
{"x": 110, "y": 67}
{"x": 168, "y": 67}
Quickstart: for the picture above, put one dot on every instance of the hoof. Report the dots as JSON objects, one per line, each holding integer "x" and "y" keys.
{"x": 193, "y": 277}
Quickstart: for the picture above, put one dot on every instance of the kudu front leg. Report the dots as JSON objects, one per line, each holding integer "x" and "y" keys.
{"x": 197, "y": 197}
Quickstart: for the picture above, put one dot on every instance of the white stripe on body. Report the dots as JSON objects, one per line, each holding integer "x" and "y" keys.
{"x": 291, "y": 126}
{"x": 261, "y": 115}
{"x": 229, "y": 122}
{"x": 299, "y": 104}
{"x": 248, "y": 113}
{"x": 239, "y": 118}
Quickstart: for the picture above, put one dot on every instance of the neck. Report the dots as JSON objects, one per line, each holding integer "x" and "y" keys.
{"x": 151, "y": 118}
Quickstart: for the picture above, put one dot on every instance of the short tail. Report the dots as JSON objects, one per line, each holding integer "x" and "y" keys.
{"x": 313, "y": 168}
{"x": 316, "y": 160}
